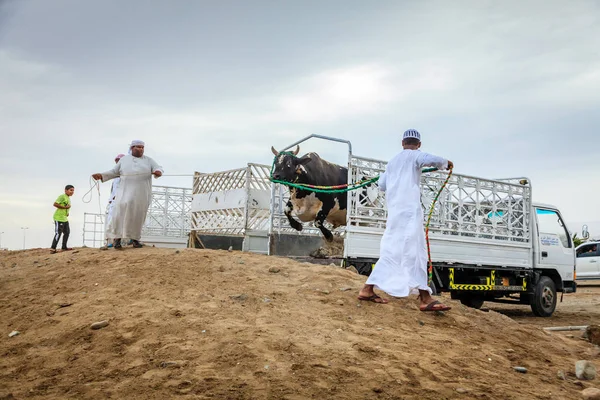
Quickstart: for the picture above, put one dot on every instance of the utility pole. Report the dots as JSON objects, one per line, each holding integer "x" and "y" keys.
{"x": 1, "y": 233}
{"x": 24, "y": 229}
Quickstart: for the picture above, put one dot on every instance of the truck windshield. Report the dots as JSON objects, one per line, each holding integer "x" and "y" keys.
{"x": 551, "y": 228}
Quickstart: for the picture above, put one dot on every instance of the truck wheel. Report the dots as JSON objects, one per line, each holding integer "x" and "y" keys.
{"x": 472, "y": 301}
{"x": 543, "y": 301}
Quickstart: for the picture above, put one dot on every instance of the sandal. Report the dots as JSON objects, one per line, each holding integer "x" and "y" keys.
{"x": 374, "y": 298}
{"x": 435, "y": 306}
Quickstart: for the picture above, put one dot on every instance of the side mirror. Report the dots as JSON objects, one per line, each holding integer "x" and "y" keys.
{"x": 584, "y": 232}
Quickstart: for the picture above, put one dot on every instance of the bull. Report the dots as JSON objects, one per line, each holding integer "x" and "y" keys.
{"x": 308, "y": 205}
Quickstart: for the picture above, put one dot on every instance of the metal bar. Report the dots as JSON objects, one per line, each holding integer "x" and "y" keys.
{"x": 517, "y": 178}
{"x": 246, "y": 202}
{"x": 320, "y": 137}
{"x": 567, "y": 328}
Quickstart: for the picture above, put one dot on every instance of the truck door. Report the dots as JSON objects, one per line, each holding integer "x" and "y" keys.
{"x": 588, "y": 256}
{"x": 556, "y": 247}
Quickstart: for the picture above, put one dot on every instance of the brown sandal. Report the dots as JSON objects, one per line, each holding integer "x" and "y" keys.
{"x": 435, "y": 306}
{"x": 374, "y": 298}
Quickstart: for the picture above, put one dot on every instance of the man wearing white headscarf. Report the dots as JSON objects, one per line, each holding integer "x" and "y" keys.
{"x": 402, "y": 266}
{"x": 133, "y": 195}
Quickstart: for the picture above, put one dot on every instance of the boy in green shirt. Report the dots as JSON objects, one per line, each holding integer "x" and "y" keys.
{"x": 61, "y": 221}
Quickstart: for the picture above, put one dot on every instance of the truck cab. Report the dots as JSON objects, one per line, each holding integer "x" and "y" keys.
{"x": 553, "y": 259}
{"x": 551, "y": 269}
{"x": 588, "y": 260}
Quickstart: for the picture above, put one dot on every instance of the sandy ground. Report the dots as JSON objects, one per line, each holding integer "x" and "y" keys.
{"x": 205, "y": 324}
{"x": 576, "y": 309}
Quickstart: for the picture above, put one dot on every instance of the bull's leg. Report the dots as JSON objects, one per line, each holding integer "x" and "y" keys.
{"x": 288, "y": 213}
{"x": 319, "y": 223}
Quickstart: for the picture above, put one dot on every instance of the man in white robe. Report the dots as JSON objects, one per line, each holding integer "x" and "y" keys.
{"x": 402, "y": 266}
{"x": 134, "y": 194}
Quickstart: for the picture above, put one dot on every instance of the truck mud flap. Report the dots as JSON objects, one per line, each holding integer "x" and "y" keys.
{"x": 489, "y": 286}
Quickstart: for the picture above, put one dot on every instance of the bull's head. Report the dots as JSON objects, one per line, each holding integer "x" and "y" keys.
{"x": 287, "y": 165}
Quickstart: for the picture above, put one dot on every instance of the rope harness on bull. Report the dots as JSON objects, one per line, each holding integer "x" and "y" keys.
{"x": 357, "y": 185}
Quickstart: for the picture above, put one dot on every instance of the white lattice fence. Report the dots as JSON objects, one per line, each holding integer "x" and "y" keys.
{"x": 231, "y": 202}
{"x": 468, "y": 206}
{"x": 366, "y": 205}
{"x": 483, "y": 208}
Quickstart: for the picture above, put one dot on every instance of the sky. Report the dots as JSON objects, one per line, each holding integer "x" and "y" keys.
{"x": 502, "y": 89}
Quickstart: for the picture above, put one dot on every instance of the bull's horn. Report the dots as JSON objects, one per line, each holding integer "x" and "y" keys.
{"x": 297, "y": 150}
{"x": 274, "y": 151}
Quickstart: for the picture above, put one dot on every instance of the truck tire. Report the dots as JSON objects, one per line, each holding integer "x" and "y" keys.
{"x": 543, "y": 301}
{"x": 472, "y": 301}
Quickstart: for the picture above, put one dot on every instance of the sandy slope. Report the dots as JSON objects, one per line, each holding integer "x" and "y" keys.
{"x": 227, "y": 325}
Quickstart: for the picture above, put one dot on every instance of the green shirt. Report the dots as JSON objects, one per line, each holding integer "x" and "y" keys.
{"x": 61, "y": 214}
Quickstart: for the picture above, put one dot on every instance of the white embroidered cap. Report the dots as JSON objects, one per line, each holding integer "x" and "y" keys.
{"x": 411, "y": 133}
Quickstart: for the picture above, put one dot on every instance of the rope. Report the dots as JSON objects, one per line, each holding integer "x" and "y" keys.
{"x": 93, "y": 183}
{"x": 343, "y": 188}
{"x": 96, "y": 184}
{"x": 328, "y": 189}
{"x": 430, "y": 265}
{"x": 149, "y": 173}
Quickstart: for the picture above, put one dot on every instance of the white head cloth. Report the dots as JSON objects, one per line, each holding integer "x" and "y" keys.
{"x": 136, "y": 143}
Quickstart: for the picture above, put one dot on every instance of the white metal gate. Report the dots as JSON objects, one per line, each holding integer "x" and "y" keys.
{"x": 280, "y": 194}
{"x": 233, "y": 203}
{"x": 169, "y": 213}
{"x": 167, "y": 222}
{"x": 93, "y": 230}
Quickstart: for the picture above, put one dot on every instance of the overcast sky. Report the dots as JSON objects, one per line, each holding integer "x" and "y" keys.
{"x": 508, "y": 88}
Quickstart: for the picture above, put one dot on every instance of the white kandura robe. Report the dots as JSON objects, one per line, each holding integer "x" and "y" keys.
{"x": 109, "y": 212}
{"x": 132, "y": 197}
{"x": 402, "y": 266}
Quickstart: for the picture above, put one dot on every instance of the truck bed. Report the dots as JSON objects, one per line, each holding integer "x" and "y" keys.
{"x": 476, "y": 221}
{"x": 364, "y": 244}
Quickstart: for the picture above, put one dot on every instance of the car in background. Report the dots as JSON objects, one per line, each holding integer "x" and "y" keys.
{"x": 588, "y": 261}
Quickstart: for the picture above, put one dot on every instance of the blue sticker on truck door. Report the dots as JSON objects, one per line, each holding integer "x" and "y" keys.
{"x": 548, "y": 239}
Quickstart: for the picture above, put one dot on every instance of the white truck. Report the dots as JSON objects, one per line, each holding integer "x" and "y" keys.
{"x": 489, "y": 241}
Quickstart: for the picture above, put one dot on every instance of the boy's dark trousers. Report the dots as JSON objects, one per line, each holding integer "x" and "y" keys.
{"x": 61, "y": 228}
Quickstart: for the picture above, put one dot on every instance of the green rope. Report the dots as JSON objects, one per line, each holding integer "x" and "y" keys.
{"x": 309, "y": 188}
{"x": 327, "y": 189}
{"x": 437, "y": 196}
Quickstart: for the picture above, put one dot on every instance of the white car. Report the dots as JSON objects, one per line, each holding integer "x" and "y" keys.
{"x": 588, "y": 261}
